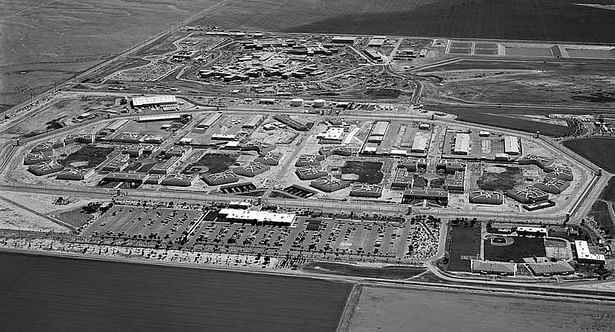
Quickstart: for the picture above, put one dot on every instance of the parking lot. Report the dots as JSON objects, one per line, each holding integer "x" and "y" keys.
{"x": 320, "y": 238}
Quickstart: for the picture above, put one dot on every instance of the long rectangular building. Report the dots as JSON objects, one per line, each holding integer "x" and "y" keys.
{"x": 462, "y": 144}
{"x": 153, "y": 100}
{"x": 258, "y": 217}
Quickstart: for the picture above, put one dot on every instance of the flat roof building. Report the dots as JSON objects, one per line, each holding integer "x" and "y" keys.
{"x": 380, "y": 128}
{"x": 257, "y": 217}
{"x": 584, "y": 255}
{"x": 419, "y": 144}
{"x": 462, "y": 144}
{"x": 512, "y": 145}
{"x": 153, "y": 100}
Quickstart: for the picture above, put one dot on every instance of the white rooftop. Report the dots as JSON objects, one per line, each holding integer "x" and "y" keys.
{"x": 263, "y": 216}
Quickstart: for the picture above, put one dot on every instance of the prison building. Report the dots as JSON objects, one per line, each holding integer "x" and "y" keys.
{"x": 403, "y": 179}
{"x": 309, "y": 160}
{"x": 338, "y": 150}
{"x": 550, "y": 268}
{"x": 136, "y": 178}
{"x": 329, "y": 184}
{"x": 295, "y": 124}
{"x": 310, "y": 173}
{"x": 74, "y": 174}
{"x": 208, "y": 121}
{"x": 439, "y": 196}
{"x": 491, "y": 267}
{"x": 552, "y": 185}
{"x": 253, "y": 122}
{"x": 462, "y": 144}
{"x": 532, "y": 159}
{"x": 512, "y": 145}
{"x": 166, "y": 166}
{"x": 380, "y": 128}
{"x": 270, "y": 158}
{"x": 366, "y": 190}
{"x": 343, "y": 40}
{"x": 373, "y": 55}
{"x": 455, "y": 183}
{"x": 159, "y": 117}
{"x": 117, "y": 163}
{"x": 584, "y": 255}
{"x": 252, "y": 169}
{"x": 36, "y": 158}
{"x": 221, "y": 178}
{"x": 178, "y": 180}
{"x": 486, "y": 197}
{"x": 419, "y": 144}
{"x": 45, "y": 168}
{"x": 333, "y": 135}
{"x": 528, "y": 195}
{"x": 559, "y": 172}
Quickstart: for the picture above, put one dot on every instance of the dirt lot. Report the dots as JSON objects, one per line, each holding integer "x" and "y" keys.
{"x": 381, "y": 309}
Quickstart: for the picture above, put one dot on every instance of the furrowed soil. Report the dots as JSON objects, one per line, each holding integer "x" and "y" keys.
{"x": 382, "y": 309}
{"x": 44, "y": 293}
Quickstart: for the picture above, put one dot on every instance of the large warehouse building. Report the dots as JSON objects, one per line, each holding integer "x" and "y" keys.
{"x": 462, "y": 144}
{"x": 419, "y": 144}
{"x": 512, "y": 145}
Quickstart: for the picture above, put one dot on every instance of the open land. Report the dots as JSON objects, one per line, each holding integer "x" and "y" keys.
{"x": 402, "y": 310}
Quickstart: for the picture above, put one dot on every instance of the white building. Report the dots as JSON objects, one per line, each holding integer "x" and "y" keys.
{"x": 153, "y": 101}
{"x": 419, "y": 144}
{"x": 332, "y": 135}
{"x": 258, "y": 217}
{"x": 586, "y": 256}
{"x": 462, "y": 144}
{"x": 512, "y": 145}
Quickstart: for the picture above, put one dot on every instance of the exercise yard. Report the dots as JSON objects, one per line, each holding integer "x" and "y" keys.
{"x": 212, "y": 163}
{"x": 366, "y": 171}
{"x": 500, "y": 178}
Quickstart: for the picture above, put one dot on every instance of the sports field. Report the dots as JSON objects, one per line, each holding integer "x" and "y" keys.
{"x": 43, "y": 293}
{"x": 391, "y": 310}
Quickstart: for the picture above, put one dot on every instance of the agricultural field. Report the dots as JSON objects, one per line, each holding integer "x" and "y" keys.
{"x": 598, "y": 150}
{"x": 74, "y": 293}
{"x": 387, "y": 309}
